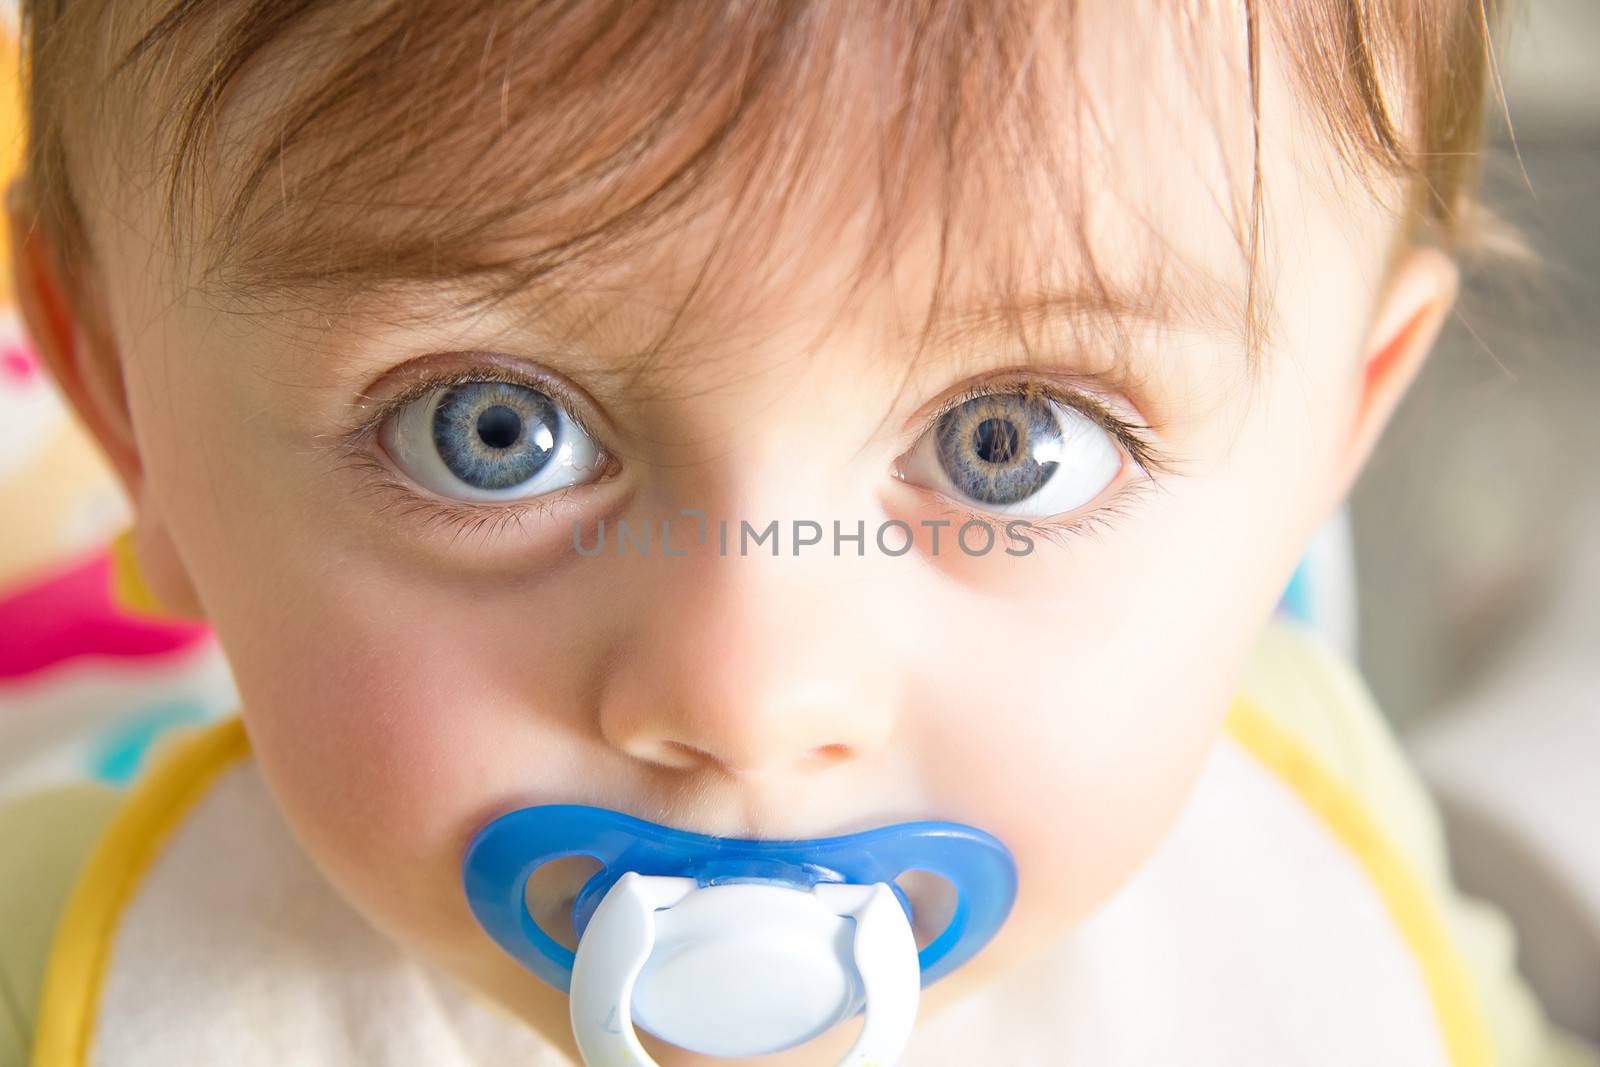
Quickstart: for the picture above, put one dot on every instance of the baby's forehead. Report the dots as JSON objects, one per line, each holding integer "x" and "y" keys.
{"x": 724, "y": 167}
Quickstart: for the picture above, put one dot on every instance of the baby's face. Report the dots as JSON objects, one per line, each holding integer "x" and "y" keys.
{"x": 421, "y": 646}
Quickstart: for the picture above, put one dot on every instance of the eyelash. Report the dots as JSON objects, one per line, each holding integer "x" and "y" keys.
{"x": 1131, "y": 435}
{"x": 463, "y": 519}
{"x": 1146, "y": 455}
{"x": 468, "y": 520}
{"x": 360, "y": 438}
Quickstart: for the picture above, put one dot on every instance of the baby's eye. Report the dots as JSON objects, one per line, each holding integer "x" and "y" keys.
{"x": 490, "y": 440}
{"x": 1016, "y": 454}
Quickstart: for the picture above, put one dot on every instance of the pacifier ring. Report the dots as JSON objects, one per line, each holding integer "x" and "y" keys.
{"x": 623, "y": 938}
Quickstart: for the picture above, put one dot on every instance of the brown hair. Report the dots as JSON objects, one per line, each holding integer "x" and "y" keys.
{"x": 629, "y": 107}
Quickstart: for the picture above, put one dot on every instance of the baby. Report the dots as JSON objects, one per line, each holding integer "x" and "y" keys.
{"x": 771, "y": 421}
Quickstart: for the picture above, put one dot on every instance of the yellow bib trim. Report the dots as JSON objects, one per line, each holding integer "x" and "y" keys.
{"x": 82, "y": 947}
{"x": 128, "y": 588}
{"x": 81, "y": 950}
{"x": 1403, "y": 891}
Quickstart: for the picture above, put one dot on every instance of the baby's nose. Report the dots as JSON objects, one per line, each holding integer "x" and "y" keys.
{"x": 752, "y": 668}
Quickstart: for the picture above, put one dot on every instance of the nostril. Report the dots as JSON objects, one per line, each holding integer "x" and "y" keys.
{"x": 678, "y": 754}
{"x": 683, "y": 756}
{"x": 827, "y": 754}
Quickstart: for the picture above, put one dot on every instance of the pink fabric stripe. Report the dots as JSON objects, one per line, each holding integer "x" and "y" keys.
{"x": 72, "y": 614}
{"x": 16, "y": 361}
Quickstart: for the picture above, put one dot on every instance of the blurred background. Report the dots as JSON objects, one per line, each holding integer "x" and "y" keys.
{"x": 1475, "y": 517}
{"x": 1476, "y": 532}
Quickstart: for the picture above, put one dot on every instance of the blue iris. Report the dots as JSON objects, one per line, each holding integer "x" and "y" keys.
{"x": 495, "y": 435}
{"x": 991, "y": 446}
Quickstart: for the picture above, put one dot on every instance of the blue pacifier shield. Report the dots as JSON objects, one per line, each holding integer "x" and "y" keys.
{"x": 506, "y": 852}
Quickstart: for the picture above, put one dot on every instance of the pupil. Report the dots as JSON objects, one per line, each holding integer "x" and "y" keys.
{"x": 499, "y": 426}
{"x": 996, "y": 440}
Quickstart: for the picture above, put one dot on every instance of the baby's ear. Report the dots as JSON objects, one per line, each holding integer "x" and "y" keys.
{"x": 66, "y": 324}
{"x": 71, "y": 333}
{"x": 1411, "y": 309}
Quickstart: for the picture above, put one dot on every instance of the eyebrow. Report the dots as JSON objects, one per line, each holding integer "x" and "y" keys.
{"x": 1168, "y": 297}
{"x": 1089, "y": 325}
{"x": 1182, "y": 298}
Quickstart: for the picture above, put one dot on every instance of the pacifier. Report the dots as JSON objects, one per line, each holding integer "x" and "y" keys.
{"x": 730, "y": 946}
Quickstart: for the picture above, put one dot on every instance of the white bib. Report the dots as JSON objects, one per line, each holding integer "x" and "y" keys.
{"x": 1274, "y": 926}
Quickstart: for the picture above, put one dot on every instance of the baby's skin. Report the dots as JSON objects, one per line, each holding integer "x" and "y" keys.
{"x": 421, "y": 645}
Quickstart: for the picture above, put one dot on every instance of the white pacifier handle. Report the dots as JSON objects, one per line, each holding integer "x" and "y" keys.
{"x": 622, "y": 932}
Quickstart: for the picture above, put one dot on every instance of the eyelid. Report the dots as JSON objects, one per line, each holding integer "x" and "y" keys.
{"x": 488, "y": 368}
{"x": 1132, "y": 435}
{"x": 459, "y": 518}
{"x": 1059, "y": 529}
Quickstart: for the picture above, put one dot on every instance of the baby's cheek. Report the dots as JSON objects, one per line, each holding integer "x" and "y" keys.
{"x": 1080, "y": 828}
{"x": 1082, "y": 773}
{"x": 384, "y": 767}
